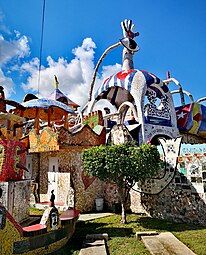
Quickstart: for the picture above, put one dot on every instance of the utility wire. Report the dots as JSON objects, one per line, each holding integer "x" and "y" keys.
{"x": 41, "y": 44}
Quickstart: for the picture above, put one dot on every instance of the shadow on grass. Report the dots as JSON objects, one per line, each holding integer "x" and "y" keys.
{"x": 165, "y": 225}
{"x": 84, "y": 228}
{"x": 115, "y": 230}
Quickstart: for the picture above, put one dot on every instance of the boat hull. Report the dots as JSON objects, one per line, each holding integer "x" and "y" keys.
{"x": 15, "y": 240}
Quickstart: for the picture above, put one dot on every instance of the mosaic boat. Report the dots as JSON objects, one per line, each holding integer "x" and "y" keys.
{"x": 36, "y": 239}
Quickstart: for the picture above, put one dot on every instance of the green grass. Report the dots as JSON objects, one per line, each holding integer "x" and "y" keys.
{"x": 35, "y": 212}
{"x": 122, "y": 237}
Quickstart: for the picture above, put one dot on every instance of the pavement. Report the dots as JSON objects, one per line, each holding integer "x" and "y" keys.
{"x": 165, "y": 244}
{"x": 93, "y": 216}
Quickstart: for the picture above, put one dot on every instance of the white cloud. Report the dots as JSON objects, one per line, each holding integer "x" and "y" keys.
{"x": 3, "y": 27}
{"x": 74, "y": 76}
{"x": 10, "y": 52}
{"x": 17, "y": 48}
{"x": 7, "y": 83}
{"x": 109, "y": 70}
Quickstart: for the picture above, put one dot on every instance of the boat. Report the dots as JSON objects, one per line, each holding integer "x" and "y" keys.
{"x": 38, "y": 238}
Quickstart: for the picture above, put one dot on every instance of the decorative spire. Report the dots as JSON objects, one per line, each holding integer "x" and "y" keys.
{"x": 56, "y": 82}
{"x": 130, "y": 46}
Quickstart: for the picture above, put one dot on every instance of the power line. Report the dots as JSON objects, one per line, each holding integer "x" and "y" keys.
{"x": 41, "y": 43}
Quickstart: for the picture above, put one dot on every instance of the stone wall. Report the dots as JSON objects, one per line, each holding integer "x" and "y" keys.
{"x": 15, "y": 198}
{"x": 192, "y": 139}
{"x": 177, "y": 202}
{"x": 184, "y": 199}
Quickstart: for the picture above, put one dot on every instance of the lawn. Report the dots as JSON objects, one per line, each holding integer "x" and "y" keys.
{"x": 122, "y": 237}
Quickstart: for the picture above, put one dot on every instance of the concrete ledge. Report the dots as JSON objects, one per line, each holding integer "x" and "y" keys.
{"x": 94, "y": 248}
{"x": 104, "y": 236}
{"x": 138, "y": 235}
{"x": 95, "y": 244}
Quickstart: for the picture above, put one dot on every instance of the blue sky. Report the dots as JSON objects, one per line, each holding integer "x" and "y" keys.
{"x": 172, "y": 37}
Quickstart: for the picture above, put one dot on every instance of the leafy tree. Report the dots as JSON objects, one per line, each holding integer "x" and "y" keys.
{"x": 123, "y": 164}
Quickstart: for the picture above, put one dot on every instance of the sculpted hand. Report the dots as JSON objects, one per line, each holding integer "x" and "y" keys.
{"x": 127, "y": 28}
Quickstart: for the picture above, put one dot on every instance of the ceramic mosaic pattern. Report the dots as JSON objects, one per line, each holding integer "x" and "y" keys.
{"x": 70, "y": 161}
{"x": 7, "y": 236}
{"x": 21, "y": 196}
{"x": 10, "y": 155}
{"x": 184, "y": 199}
{"x": 46, "y": 141}
{"x": 15, "y": 194}
{"x": 4, "y": 198}
{"x": 119, "y": 134}
{"x": 171, "y": 151}
{"x": 192, "y": 139}
{"x": 93, "y": 119}
{"x": 83, "y": 137}
{"x": 154, "y": 119}
{"x": 176, "y": 203}
{"x": 61, "y": 186}
{"x": 111, "y": 194}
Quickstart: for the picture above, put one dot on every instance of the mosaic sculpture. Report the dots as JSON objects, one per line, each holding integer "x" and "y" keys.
{"x": 154, "y": 110}
{"x": 12, "y": 160}
{"x": 191, "y": 118}
{"x": 171, "y": 150}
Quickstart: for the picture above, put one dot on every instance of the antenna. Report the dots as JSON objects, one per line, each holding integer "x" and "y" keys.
{"x": 41, "y": 43}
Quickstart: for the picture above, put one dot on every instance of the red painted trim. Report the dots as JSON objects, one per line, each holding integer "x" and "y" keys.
{"x": 34, "y": 227}
{"x": 14, "y": 222}
{"x": 69, "y": 214}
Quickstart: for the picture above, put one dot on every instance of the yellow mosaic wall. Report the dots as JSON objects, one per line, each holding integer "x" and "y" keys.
{"x": 70, "y": 161}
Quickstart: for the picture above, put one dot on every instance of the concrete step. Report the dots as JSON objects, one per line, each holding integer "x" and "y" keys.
{"x": 166, "y": 244}
{"x": 154, "y": 245}
{"x": 94, "y": 248}
{"x": 146, "y": 233}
